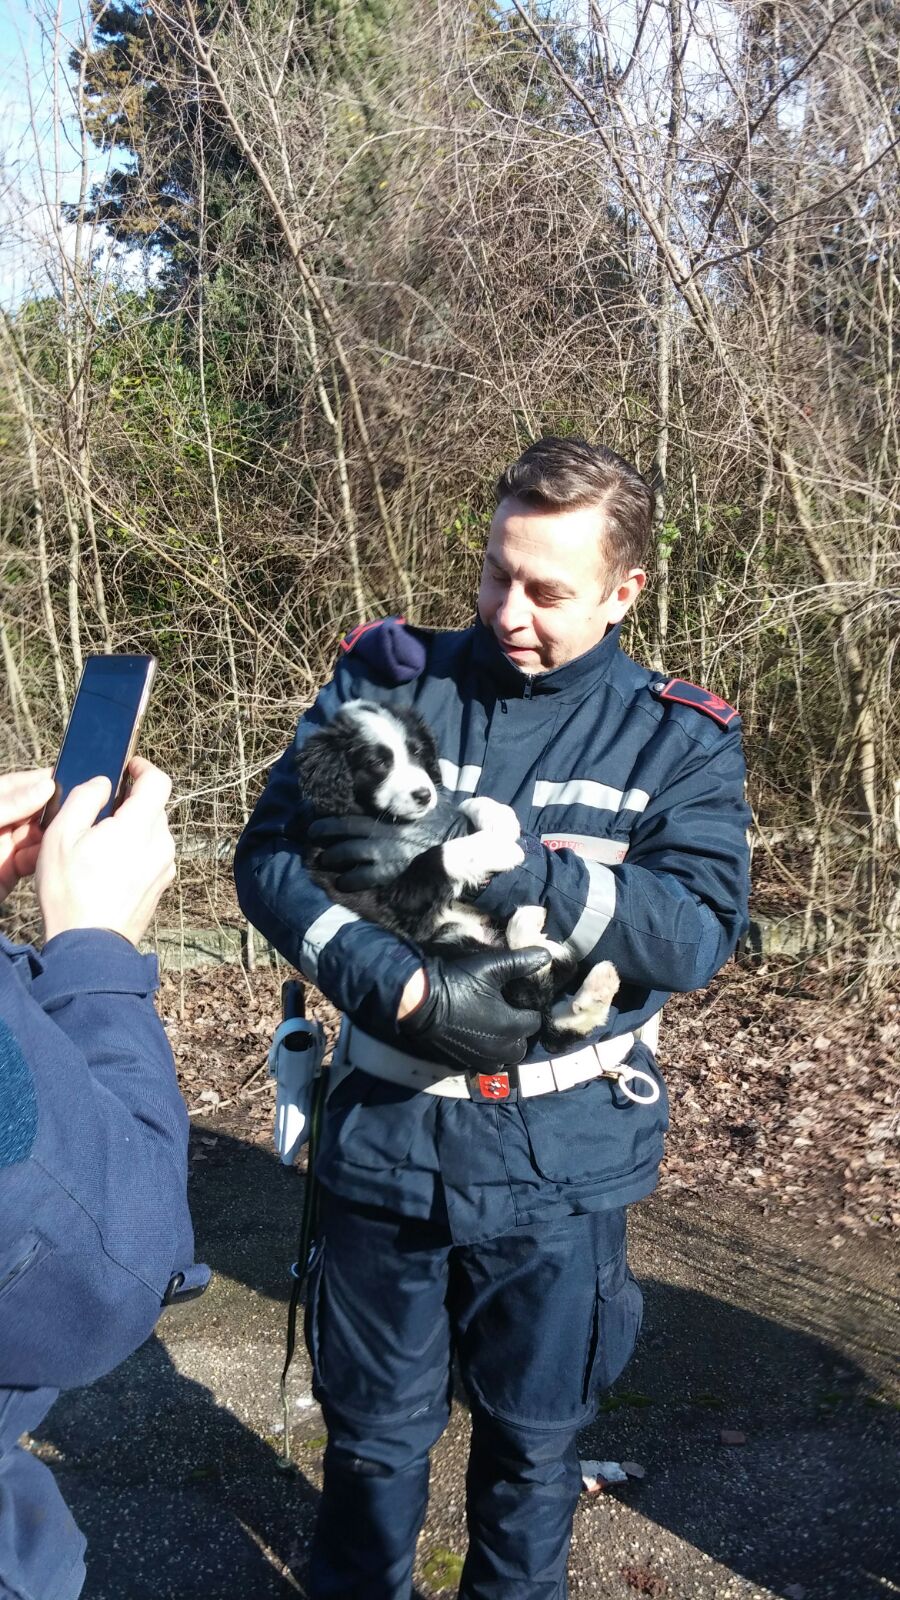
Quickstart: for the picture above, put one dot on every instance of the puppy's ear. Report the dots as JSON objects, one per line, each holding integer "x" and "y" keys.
{"x": 324, "y": 773}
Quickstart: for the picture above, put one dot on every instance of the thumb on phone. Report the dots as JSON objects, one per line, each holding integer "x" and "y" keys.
{"x": 81, "y": 809}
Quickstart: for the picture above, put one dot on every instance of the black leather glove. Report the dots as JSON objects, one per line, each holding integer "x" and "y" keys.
{"x": 465, "y": 1017}
{"x": 368, "y": 853}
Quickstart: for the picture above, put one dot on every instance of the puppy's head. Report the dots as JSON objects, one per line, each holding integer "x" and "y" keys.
{"x": 371, "y": 761}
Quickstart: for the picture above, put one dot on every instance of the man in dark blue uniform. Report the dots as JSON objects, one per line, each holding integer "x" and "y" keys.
{"x": 483, "y": 1209}
{"x": 94, "y": 1227}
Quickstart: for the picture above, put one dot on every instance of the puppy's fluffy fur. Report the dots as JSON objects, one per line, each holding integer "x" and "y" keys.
{"x": 380, "y": 762}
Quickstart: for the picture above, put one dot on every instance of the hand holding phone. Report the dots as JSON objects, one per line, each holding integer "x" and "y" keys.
{"x": 109, "y": 873}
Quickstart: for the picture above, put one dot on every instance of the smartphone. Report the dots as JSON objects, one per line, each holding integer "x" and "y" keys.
{"x": 103, "y": 726}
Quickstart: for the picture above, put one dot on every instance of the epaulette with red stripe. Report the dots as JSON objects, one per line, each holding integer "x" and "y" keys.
{"x": 386, "y": 647}
{"x": 682, "y": 693}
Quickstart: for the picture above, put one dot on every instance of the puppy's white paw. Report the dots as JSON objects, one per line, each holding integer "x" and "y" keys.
{"x": 490, "y": 816}
{"x": 525, "y": 930}
{"x": 526, "y": 927}
{"x": 589, "y": 1008}
{"x": 599, "y": 987}
{"x": 472, "y": 861}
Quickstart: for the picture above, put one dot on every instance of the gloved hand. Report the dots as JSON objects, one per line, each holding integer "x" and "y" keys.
{"x": 368, "y": 853}
{"x": 464, "y": 1017}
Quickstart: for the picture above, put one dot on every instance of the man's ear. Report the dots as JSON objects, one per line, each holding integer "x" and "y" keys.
{"x": 324, "y": 774}
{"x": 625, "y": 593}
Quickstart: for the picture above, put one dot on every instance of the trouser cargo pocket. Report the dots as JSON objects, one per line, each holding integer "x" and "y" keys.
{"x": 619, "y": 1312}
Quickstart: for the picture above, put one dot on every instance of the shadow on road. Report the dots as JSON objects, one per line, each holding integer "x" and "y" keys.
{"x": 180, "y": 1499}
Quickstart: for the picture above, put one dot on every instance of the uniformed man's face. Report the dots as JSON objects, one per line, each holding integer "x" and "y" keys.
{"x": 544, "y": 592}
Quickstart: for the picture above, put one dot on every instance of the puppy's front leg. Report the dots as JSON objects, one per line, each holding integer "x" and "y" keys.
{"x": 471, "y": 862}
{"x": 525, "y": 930}
{"x": 491, "y": 816}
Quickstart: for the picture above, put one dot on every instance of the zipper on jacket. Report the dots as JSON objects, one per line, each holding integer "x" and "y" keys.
{"x": 529, "y": 685}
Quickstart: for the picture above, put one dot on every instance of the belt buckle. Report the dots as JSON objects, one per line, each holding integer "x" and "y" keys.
{"x": 492, "y": 1086}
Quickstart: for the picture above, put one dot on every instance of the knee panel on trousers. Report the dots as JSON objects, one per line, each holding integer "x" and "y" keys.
{"x": 376, "y": 1446}
{"x": 519, "y": 1453}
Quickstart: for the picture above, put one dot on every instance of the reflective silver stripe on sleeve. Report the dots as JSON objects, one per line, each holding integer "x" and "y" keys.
{"x": 587, "y": 792}
{"x": 598, "y": 912}
{"x": 319, "y": 934}
{"x": 459, "y": 779}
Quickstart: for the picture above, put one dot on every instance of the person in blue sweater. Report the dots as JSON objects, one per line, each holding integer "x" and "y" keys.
{"x": 478, "y": 1206}
{"x": 95, "y": 1232}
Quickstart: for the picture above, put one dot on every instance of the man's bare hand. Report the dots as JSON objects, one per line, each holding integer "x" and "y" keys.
{"x": 23, "y": 796}
{"x": 111, "y": 875}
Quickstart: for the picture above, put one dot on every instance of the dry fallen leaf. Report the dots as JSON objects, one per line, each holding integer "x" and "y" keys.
{"x": 645, "y": 1582}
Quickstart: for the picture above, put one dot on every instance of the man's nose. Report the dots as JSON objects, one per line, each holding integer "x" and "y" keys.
{"x": 513, "y": 611}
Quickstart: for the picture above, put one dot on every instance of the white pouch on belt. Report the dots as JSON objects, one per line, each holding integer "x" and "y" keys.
{"x": 295, "y": 1059}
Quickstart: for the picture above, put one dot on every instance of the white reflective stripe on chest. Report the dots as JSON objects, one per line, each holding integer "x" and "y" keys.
{"x": 461, "y": 780}
{"x": 612, "y": 851}
{"x": 588, "y": 792}
{"x": 599, "y": 910}
{"x": 319, "y": 934}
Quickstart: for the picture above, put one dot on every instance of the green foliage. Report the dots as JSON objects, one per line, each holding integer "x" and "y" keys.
{"x": 666, "y": 538}
{"x": 470, "y": 528}
{"x": 442, "y": 1569}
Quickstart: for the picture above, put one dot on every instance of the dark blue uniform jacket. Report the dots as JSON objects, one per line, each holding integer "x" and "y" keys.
{"x": 630, "y": 795}
{"x": 93, "y": 1210}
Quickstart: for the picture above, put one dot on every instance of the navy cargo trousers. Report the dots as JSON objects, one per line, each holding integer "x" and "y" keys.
{"x": 541, "y": 1320}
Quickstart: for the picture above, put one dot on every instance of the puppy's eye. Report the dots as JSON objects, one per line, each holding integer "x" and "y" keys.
{"x": 381, "y": 757}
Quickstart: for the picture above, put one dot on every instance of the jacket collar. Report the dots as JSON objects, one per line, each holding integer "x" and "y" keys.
{"x": 574, "y": 677}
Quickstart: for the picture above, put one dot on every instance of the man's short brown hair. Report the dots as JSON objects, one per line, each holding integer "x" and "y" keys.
{"x": 570, "y": 474}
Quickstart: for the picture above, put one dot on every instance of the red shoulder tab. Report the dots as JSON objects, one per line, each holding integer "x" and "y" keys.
{"x": 355, "y": 634}
{"x": 690, "y": 694}
{"x": 387, "y": 649}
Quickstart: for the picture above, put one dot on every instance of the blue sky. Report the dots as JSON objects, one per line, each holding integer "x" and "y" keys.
{"x": 39, "y": 163}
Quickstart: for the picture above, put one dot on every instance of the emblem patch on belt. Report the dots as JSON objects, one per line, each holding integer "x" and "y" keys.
{"x": 493, "y": 1086}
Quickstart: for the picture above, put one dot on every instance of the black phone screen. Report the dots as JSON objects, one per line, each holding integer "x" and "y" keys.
{"x": 105, "y": 713}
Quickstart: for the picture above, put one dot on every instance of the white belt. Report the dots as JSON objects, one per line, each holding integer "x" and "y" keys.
{"x": 603, "y": 1060}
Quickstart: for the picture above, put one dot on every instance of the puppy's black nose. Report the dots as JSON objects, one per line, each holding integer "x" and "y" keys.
{"x": 421, "y": 796}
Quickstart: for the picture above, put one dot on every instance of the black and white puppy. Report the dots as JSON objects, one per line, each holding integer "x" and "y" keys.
{"x": 382, "y": 762}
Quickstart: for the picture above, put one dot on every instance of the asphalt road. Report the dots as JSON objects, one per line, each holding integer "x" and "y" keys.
{"x": 752, "y": 1327}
